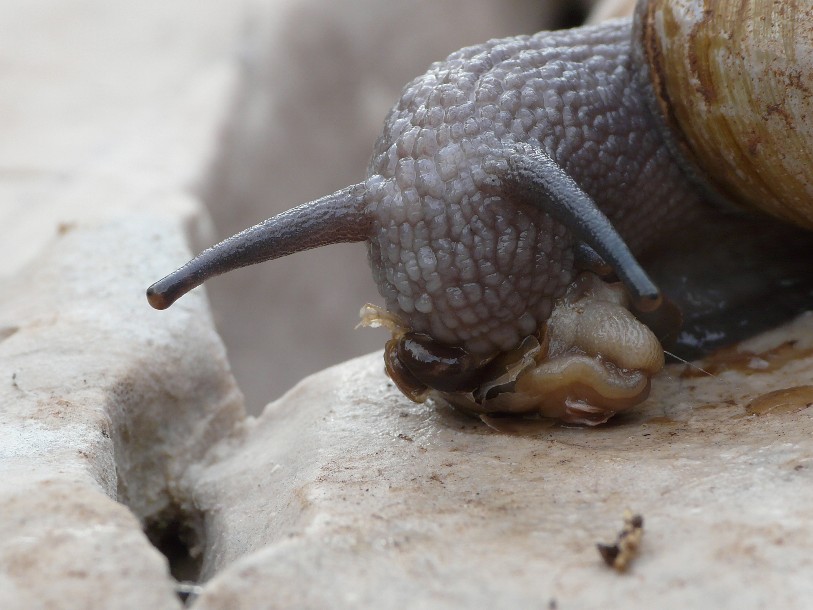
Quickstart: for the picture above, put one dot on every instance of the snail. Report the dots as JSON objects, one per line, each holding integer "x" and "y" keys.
{"x": 518, "y": 184}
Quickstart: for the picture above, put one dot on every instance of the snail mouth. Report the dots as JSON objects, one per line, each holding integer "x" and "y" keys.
{"x": 592, "y": 359}
{"x": 575, "y": 388}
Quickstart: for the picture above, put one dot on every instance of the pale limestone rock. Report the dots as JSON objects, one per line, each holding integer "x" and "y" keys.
{"x": 344, "y": 495}
{"x": 101, "y": 399}
{"x": 110, "y": 112}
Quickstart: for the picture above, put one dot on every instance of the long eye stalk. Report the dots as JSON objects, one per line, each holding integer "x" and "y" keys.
{"x": 337, "y": 218}
{"x": 535, "y": 179}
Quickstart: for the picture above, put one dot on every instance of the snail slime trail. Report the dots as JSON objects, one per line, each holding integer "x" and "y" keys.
{"x": 523, "y": 200}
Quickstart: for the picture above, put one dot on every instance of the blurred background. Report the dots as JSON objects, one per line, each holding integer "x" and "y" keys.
{"x": 318, "y": 78}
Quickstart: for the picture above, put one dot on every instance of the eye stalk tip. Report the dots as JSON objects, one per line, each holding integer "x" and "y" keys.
{"x": 157, "y": 298}
{"x": 649, "y": 301}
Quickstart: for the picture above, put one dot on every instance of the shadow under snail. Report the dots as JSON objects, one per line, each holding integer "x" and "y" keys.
{"x": 517, "y": 179}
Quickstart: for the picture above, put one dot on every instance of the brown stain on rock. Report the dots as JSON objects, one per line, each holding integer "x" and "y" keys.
{"x": 782, "y": 402}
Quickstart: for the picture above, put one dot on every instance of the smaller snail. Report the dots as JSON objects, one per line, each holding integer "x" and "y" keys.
{"x": 517, "y": 185}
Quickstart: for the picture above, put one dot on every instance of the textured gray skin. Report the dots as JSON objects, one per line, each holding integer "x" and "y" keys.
{"x": 453, "y": 256}
{"x": 481, "y": 271}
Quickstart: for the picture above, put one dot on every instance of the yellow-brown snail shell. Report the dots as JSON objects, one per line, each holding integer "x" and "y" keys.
{"x": 734, "y": 80}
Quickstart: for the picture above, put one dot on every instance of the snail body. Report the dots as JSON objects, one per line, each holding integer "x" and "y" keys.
{"x": 502, "y": 176}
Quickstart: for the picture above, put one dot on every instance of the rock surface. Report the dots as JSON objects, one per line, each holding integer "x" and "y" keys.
{"x": 122, "y": 428}
{"x": 102, "y": 405}
{"x": 110, "y": 112}
{"x": 371, "y": 501}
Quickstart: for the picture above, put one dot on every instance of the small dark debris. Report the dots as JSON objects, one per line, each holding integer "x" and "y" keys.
{"x": 620, "y": 554}
{"x": 64, "y": 228}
